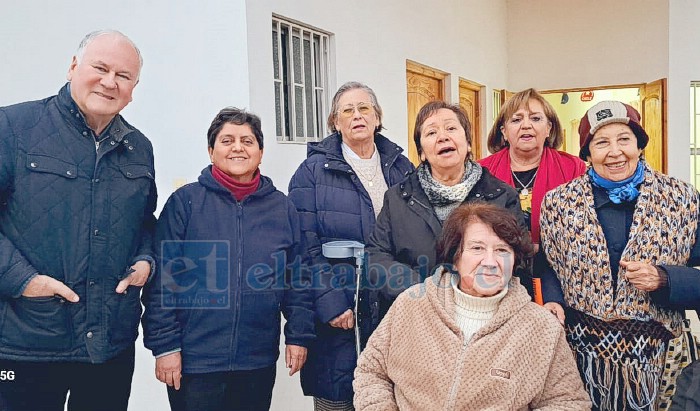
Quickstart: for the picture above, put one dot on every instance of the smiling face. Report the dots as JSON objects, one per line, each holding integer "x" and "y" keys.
{"x": 356, "y": 118}
{"x": 485, "y": 264}
{"x": 236, "y": 152}
{"x": 444, "y": 143}
{"x": 614, "y": 154}
{"x": 101, "y": 84}
{"x": 528, "y": 128}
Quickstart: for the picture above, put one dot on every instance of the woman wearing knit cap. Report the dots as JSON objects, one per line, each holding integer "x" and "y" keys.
{"x": 402, "y": 246}
{"x": 212, "y": 316}
{"x": 469, "y": 338}
{"x": 622, "y": 240}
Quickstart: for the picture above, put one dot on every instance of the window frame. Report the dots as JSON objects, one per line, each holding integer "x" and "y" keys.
{"x": 291, "y": 77}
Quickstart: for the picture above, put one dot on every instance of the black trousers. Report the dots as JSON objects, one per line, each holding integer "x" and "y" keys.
{"x": 225, "y": 391}
{"x": 43, "y": 386}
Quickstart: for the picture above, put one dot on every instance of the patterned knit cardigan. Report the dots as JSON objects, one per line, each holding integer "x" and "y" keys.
{"x": 663, "y": 232}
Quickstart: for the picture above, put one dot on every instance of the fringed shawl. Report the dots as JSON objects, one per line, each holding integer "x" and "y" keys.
{"x": 618, "y": 334}
{"x": 662, "y": 232}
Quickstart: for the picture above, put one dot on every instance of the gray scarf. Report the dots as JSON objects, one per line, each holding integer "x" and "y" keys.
{"x": 444, "y": 198}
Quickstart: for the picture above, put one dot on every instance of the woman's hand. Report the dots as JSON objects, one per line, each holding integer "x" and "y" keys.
{"x": 557, "y": 310}
{"x": 345, "y": 320}
{"x": 169, "y": 369}
{"x": 294, "y": 357}
{"x": 645, "y": 277}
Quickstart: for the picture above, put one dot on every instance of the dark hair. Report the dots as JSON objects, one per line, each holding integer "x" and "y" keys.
{"x": 238, "y": 116}
{"x": 501, "y": 221}
{"x": 431, "y": 108}
{"x": 352, "y": 85}
{"x": 496, "y": 141}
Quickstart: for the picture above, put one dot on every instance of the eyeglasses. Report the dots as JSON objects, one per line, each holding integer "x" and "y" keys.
{"x": 362, "y": 108}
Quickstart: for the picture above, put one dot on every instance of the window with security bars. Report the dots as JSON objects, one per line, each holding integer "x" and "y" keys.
{"x": 300, "y": 57}
{"x": 695, "y": 133}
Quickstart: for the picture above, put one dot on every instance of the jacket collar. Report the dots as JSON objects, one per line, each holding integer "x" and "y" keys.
{"x": 440, "y": 293}
{"x": 209, "y": 182}
{"x": 117, "y": 128}
{"x": 332, "y": 149}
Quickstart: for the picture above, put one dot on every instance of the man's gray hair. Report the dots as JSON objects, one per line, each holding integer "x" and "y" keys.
{"x": 91, "y": 36}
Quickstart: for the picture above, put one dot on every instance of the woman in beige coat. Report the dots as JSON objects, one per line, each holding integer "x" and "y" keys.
{"x": 469, "y": 338}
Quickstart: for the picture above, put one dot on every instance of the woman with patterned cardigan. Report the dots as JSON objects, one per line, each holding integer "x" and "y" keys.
{"x": 622, "y": 240}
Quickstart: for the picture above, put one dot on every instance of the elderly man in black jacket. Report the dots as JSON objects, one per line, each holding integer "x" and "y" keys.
{"x": 77, "y": 196}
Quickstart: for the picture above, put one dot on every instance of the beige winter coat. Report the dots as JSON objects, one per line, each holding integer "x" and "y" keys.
{"x": 418, "y": 360}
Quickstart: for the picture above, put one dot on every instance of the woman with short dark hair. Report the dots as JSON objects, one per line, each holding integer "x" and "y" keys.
{"x": 212, "y": 317}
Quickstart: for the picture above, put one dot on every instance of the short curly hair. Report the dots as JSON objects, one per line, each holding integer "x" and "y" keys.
{"x": 500, "y": 220}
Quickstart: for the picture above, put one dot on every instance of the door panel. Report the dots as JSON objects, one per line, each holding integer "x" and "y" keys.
{"x": 423, "y": 84}
{"x": 652, "y": 105}
{"x": 470, "y": 102}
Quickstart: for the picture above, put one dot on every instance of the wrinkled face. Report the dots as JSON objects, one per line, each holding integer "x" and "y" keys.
{"x": 527, "y": 129}
{"x": 485, "y": 265}
{"x": 356, "y": 118}
{"x": 614, "y": 152}
{"x": 236, "y": 152}
{"x": 103, "y": 81}
{"x": 444, "y": 142}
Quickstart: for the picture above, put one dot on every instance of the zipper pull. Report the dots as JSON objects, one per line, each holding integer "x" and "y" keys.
{"x": 97, "y": 146}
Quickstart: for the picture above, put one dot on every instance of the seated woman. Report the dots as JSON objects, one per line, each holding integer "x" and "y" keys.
{"x": 212, "y": 317}
{"x": 469, "y": 338}
{"x": 402, "y": 245}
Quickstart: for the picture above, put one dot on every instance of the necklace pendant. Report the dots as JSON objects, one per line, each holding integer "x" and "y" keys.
{"x": 524, "y": 191}
{"x": 371, "y": 184}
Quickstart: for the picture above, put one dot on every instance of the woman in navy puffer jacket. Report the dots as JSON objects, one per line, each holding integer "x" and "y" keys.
{"x": 212, "y": 314}
{"x": 339, "y": 191}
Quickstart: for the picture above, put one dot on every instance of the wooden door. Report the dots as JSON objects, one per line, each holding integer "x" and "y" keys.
{"x": 470, "y": 102}
{"x": 423, "y": 84}
{"x": 652, "y": 105}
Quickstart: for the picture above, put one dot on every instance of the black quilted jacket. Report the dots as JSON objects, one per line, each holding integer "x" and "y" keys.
{"x": 79, "y": 213}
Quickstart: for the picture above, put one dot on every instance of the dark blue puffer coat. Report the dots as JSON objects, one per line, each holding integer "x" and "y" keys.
{"x": 334, "y": 205}
{"x": 229, "y": 260}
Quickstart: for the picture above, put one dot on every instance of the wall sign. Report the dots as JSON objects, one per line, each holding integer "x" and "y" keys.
{"x": 587, "y": 96}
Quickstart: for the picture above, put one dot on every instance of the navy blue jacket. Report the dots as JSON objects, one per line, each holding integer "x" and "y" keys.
{"x": 224, "y": 278}
{"x": 334, "y": 205}
{"x": 79, "y": 212}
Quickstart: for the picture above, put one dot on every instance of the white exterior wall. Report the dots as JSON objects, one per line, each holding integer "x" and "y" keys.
{"x": 371, "y": 44}
{"x": 583, "y": 43}
{"x": 683, "y": 67}
{"x": 195, "y": 63}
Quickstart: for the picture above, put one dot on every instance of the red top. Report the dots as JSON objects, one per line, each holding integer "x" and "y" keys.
{"x": 238, "y": 189}
{"x": 556, "y": 168}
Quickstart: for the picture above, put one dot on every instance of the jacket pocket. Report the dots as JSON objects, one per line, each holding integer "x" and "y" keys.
{"x": 124, "y": 312}
{"x": 134, "y": 187}
{"x": 259, "y": 329}
{"x": 47, "y": 164}
{"x": 39, "y": 323}
{"x": 133, "y": 171}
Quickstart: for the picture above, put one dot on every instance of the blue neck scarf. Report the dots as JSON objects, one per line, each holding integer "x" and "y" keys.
{"x": 619, "y": 191}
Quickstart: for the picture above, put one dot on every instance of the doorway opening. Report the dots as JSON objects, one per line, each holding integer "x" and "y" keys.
{"x": 649, "y": 99}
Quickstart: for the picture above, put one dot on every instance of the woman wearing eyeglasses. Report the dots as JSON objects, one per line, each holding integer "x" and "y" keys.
{"x": 339, "y": 190}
